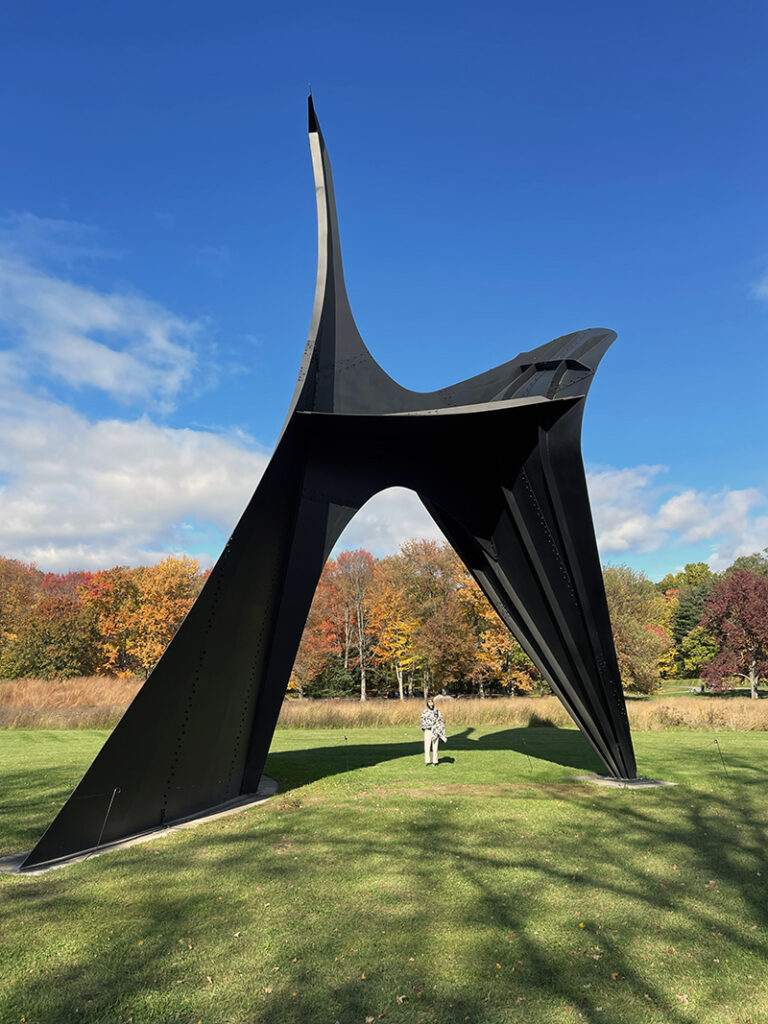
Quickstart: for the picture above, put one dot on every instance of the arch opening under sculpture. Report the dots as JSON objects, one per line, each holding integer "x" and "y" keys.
{"x": 496, "y": 461}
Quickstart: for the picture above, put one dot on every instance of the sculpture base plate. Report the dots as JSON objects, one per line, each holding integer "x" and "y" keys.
{"x": 613, "y": 783}
{"x": 267, "y": 788}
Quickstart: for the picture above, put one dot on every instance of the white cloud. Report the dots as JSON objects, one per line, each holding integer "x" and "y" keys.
{"x": 633, "y": 512}
{"x": 388, "y": 520}
{"x": 93, "y": 495}
{"x": 754, "y": 537}
{"x": 90, "y": 495}
{"x": 621, "y": 500}
{"x": 697, "y": 515}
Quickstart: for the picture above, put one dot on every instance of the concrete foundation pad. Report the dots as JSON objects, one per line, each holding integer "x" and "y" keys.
{"x": 612, "y": 783}
{"x": 266, "y": 789}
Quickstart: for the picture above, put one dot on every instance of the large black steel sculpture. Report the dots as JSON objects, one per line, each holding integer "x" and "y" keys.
{"x": 496, "y": 461}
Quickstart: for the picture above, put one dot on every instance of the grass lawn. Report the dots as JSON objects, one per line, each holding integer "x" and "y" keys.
{"x": 488, "y": 890}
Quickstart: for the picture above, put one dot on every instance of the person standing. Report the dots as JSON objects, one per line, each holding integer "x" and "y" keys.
{"x": 433, "y": 727}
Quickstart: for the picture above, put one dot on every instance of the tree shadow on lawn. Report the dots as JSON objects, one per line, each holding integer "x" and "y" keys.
{"x": 26, "y": 811}
{"x": 206, "y": 917}
{"x": 29, "y": 803}
{"x": 566, "y": 747}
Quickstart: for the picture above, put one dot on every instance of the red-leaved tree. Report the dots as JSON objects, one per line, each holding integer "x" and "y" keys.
{"x": 736, "y": 616}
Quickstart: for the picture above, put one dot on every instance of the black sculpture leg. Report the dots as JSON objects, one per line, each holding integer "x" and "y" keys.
{"x": 198, "y": 731}
{"x": 319, "y": 525}
{"x": 522, "y": 525}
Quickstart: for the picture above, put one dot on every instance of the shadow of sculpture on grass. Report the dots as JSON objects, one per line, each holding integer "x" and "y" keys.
{"x": 565, "y": 747}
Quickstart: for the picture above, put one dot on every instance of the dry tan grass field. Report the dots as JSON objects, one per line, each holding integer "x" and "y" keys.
{"x": 97, "y": 702}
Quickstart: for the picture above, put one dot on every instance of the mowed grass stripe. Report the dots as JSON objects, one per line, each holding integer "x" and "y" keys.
{"x": 616, "y": 905}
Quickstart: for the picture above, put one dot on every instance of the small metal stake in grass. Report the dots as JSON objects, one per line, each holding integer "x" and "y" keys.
{"x": 721, "y": 757}
{"x": 525, "y": 747}
{"x": 115, "y": 791}
{"x": 346, "y": 752}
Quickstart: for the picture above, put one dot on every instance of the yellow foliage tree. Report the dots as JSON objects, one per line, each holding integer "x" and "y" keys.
{"x": 165, "y": 593}
{"x": 393, "y": 627}
{"x": 499, "y": 657}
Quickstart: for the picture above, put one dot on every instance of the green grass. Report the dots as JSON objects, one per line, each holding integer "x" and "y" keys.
{"x": 675, "y": 687}
{"x": 488, "y": 890}
{"x": 692, "y": 688}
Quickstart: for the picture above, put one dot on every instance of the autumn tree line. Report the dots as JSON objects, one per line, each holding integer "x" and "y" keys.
{"x": 414, "y": 622}
{"x": 114, "y": 622}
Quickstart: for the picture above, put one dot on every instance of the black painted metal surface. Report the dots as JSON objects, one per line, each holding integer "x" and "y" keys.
{"x": 495, "y": 459}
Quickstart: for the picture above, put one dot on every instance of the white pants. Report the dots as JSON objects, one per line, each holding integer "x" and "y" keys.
{"x": 430, "y": 743}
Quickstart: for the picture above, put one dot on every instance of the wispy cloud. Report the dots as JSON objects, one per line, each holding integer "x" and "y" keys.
{"x": 760, "y": 287}
{"x": 93, "y": 494}
{"x": 165, "y": 220}
{"x": 52, "y": 241}
{"x": 125, "y": 345}
{"x": 213, "y": 258}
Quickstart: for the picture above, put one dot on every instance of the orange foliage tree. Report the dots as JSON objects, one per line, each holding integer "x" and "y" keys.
{"x": 318, "y": 641}
{"x": 333, "y": 606}
{"x": 112, "y": 596}
{"x": 44, "y": 629}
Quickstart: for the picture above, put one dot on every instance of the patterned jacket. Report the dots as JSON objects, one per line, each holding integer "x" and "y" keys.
{"x": 433, "y": 720}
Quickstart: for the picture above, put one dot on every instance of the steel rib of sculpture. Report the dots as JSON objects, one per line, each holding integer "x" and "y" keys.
{"x": 496, "y": 461}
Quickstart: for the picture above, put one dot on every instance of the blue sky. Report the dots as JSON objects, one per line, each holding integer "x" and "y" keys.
{"x": 505, "y": 174}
